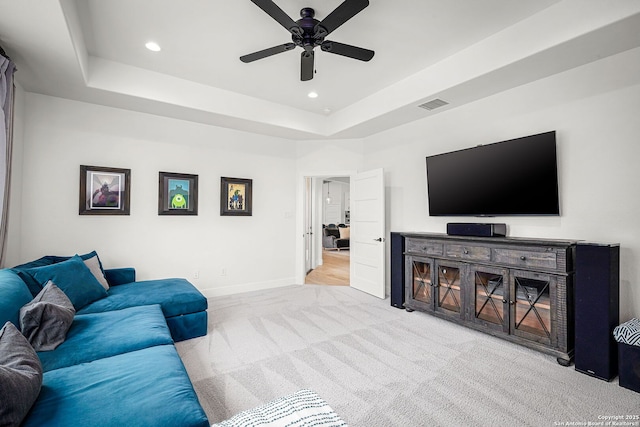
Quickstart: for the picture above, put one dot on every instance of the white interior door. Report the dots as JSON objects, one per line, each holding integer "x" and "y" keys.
{"x": 367, "y": 232}
{"x": 308, "y": 225}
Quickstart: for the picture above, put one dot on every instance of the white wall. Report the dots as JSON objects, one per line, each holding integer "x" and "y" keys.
{"x": 594, "y": 110}
{"x": 256, "y": 252}
{"x": 334, "y": 212}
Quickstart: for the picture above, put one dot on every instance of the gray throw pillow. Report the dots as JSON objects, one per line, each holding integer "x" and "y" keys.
{"x": 20, "y": 376}
{"x": 47, "y": 318}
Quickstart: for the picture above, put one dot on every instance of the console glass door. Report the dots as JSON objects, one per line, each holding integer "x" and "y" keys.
{"x": 448, "y": 295}
{"x": 419, "y": 283}
{"x": 422, "y": 285}
{"x": 532, "y": 296}
{"x": 490, "y": 287}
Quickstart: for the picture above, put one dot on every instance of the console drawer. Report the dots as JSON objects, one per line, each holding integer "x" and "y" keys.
{"x": 474, "y": 253}
{"x": 544, "y": 259}
{"x": 419, "y": 246}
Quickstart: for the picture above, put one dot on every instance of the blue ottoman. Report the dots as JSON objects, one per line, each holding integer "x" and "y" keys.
{"x": 627, "y": 336}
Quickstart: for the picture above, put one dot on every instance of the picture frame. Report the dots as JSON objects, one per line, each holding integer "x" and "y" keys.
{"x": 104, "y": 191}
{"x": 236, "y": 196}
{"x": 177, "y": 194}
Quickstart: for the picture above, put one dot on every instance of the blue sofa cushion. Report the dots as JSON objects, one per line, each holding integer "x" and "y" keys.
{"x": 187, "y": 326}
{"x": 40, "y": 262}
{"x": 34, "y": 286}
{"x": 99, "y": 335}
{"x": 148, "y": 387}
{"x": 175, "y": 296}
{"x": 46, "y": 320}
{"x": 21, "y": 270}
{"x": 120, "y": 276}
{"x": 13, "y": 295}
{"x": 73, "y": 277}
{"x": 54, "y": 259}
{"x": 20, "y": 376}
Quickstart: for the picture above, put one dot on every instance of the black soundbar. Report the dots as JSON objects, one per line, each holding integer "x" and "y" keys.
{"x": 476, "y": 229}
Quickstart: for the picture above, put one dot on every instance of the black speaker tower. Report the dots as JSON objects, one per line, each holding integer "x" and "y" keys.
{"x": 397, "y": 270}
{"x": 597, "y": 309}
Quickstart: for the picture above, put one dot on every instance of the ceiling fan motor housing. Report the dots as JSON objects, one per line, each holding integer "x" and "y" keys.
{"x": 310, "y": 36}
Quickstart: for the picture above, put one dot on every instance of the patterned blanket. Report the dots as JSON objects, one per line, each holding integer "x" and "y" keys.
{"x": 628, "y": 332}
{"x": 303, "y": 408}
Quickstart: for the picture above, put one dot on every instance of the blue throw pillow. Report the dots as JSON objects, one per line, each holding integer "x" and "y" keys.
{"x": 74, "y": 278}
{"x": 32, "y": 284}
{"x": 13, "y": 295}
{"x": 54, "y": 259}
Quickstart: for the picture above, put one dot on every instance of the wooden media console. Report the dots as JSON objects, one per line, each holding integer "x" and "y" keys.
{"x": 517, "y": 289}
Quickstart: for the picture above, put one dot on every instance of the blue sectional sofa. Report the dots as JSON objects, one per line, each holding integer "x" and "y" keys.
{"x": 117, "y": 365}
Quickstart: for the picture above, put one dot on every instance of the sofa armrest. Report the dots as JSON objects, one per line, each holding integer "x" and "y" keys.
{"x": 120, "y": 276}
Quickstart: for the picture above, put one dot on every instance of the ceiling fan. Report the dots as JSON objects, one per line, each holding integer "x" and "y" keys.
{"x": 309, "y": 33}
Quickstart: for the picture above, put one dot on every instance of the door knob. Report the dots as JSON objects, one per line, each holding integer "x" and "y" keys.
{"x": 379, "y": 239}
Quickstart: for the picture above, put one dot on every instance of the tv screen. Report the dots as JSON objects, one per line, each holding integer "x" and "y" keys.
{"x": 514, "y": 177}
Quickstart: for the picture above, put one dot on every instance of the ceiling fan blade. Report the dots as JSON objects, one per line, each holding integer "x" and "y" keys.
{"x": 306, "y": 65}
{"x": 266, "y": 52}
{"x": 278, "y": 14}
{"x": 341, "y": 14}
{"x": 347, "y": 50}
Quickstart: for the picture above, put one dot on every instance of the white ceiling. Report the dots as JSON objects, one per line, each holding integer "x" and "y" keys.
{"x": 456, "y": 50}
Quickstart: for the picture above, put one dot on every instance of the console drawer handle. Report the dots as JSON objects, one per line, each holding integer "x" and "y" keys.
{"x": 466, "y": 251}
{"x": 523, "y": 258}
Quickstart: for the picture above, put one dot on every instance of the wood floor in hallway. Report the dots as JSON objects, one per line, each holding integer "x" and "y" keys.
{"x": 333, "y": 271}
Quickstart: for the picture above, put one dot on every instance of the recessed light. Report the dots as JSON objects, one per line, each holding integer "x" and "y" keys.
{"x": 312, "y": 94}
{"x": 153, "y": 46}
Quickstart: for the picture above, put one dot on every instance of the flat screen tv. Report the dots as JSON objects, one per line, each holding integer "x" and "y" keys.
{"x": 514, "y": 177}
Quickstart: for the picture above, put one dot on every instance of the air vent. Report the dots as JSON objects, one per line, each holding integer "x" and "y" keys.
{"x": 433, "y": 104}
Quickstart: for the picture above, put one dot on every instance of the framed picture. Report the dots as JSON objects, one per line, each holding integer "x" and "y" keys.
{"x": 104, "y": 191}
{"x": 235, "y": 197}
{"x": 177, "y": 194}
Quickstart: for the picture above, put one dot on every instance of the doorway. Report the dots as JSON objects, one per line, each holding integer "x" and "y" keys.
{"x": 327, "y": 221}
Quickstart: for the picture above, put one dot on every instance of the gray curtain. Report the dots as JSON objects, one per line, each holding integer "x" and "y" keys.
{"x": 7, "y": 68}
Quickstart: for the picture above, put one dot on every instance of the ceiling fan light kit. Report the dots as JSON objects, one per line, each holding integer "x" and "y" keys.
{"x": 308, "y": 33}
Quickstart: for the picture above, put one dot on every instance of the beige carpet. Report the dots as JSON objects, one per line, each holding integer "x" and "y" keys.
{"x": 376, "y": 365}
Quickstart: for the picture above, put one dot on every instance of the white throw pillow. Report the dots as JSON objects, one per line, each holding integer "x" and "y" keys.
{"x": 93, "y": 264}
{"x": 344, "y": 232}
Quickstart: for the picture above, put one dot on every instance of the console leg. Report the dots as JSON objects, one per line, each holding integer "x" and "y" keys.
{"x": 409, "y": 309}
{"x": 564, "y": 362}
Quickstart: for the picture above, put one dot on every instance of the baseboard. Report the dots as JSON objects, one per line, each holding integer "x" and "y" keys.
{"x": 247, "y": 287}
